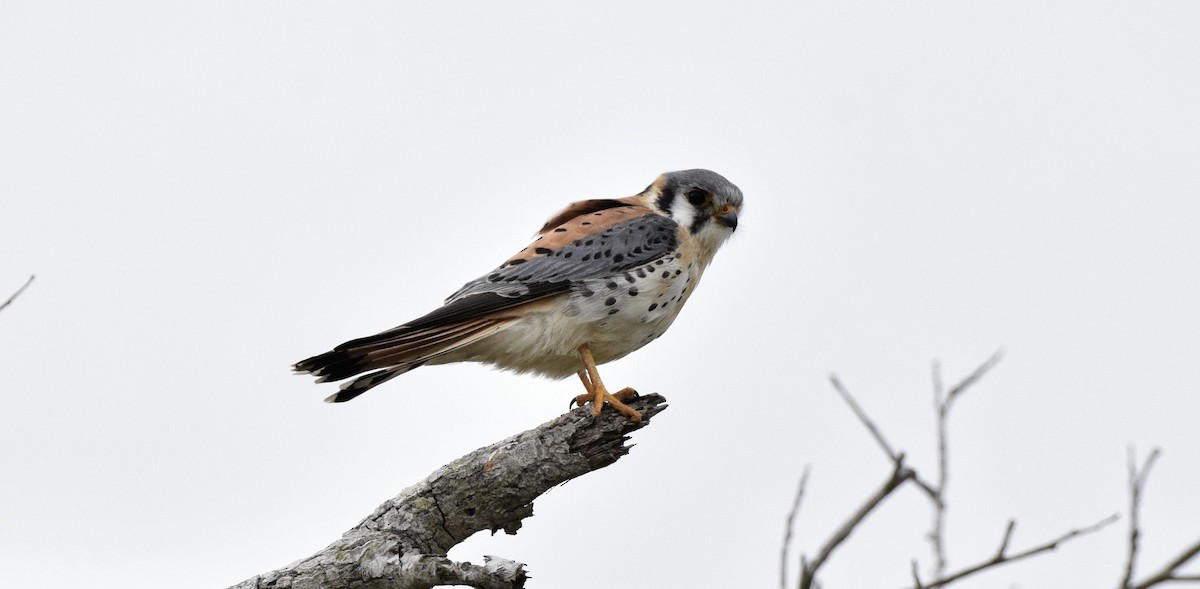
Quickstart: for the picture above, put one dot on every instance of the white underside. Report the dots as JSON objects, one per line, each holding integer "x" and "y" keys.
{"x": 546, "y": 339}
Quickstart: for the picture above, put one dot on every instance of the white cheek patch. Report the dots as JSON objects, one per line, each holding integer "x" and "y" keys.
{"x": 682, "y": 212}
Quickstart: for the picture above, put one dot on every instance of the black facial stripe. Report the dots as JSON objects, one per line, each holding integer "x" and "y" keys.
{"x": 666, "y": 196}
{"x": 698, "y": 222}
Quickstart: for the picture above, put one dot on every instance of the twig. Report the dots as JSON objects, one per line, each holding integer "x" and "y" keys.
{"x": 942, "y": 402}
{"x": 916, "y": 575}
{"x": 1137, "y": 482}
{"x": 876, "y": 433}
{"x": 974, "y": 377}
{"x": 1008, "y": 532}
{"x": 1002, "y": 558}
{"x": 787, "y": 532}
{"x": 808, "y": 570}
{"x": 18, "y": 293}
{"x": 941, "y": 406}
{"x": 1168, "y": 572}
{"x": 862, "y": 416}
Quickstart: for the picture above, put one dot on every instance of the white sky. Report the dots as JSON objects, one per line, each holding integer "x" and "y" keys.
{"x": 210, "y": 191}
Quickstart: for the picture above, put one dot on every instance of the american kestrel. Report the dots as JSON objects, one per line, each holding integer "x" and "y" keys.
{"x": 603, "y": 278}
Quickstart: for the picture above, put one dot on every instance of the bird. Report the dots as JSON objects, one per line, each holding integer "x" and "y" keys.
{"x": 603, "y": 278}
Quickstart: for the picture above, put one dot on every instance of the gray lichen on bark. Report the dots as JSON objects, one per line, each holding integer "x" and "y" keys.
{"x": 404, "y": 542}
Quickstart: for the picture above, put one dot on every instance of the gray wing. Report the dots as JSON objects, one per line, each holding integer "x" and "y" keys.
{"x": 549, "y": 271}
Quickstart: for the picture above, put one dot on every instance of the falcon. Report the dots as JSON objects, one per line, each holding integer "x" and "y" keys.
{"x": 603, "y": 278}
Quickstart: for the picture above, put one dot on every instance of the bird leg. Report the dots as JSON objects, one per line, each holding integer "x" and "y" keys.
{"x": 598, "y": 394}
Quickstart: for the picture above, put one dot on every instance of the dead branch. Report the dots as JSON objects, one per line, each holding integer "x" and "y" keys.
{"x": 787, "y": 532}
{"x": 1002, "y": 558}
{"x": 403, "y": 544}
{"x": 1137, "y": 484}
{"x": 18, "y": 293}
{"x": 900, "y": 474}
{"x": 942, "y": 402}
{"x": 1168, "y": 571}
{"x": 876, "y": 433}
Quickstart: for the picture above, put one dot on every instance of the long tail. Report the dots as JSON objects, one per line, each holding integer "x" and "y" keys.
{"x": 391, "y": 353}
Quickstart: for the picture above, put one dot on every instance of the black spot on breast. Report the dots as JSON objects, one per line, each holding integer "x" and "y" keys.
{"x": 567, "y": 255}
{"x": 660, "y": 262}
{"x": 641, "y": 273}
{"x": 666, "y": 274}
{"x": 560, "y": 230}
{"x": 585, "y": 292}
{"x": 628, "y": 277}
{"x": 652, "y": 307}
{"x": 613, "y": 311}
{"x": 543, "y": 250}
{"x": 610, "y": 284}
{"x": 516, "y": 262}
{"x": 588, "y": 242}
{"x": 678, "y": 272}
{"x": 618, "y": 257}
{"x": 610, "y": 301}
{"x": 586, "y": 257}
{"x": 633, "y": 292}
{"x": 585, "y": 223}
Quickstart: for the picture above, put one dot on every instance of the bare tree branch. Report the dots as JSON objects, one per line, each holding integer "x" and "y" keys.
{"x": 1002, "y": 558}
{"x": 916, "y": 575}
{"x": 974, "y": 377}
{"x": 941, "y": 406}
{"x": 1168, "y": 571}
{"x": 1008, "y": 532}
{"x": 403, "y": 544}
{"x": 862, "y": 416}
{"x": 900, "y": 474}
{"x": 18, "y": 293}
{"x": 1137, "y": 482}
{"x": 787, "y": 532}
{"x": 942, "y": 402}
{"x": 876, "y": 433}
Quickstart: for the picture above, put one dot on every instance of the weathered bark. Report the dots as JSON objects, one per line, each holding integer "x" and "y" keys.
{"x": 402, "y": 545}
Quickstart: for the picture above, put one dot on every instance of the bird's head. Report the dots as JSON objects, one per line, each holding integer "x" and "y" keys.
{"x": 702, "y": 202}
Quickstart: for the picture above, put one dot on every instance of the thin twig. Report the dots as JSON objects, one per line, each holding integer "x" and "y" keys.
{"x": 942, "y": 402}
{"x": 18, "y": 293}
{"x": 1168, "y": 571}
{"x": 787, "y": 532}
{"x": 1008, "y": 532}
{"x": 862, "y": 416}
{"x": 900, "y": 474}
{"x": 1137, "y": 482}
{"x": 941, "y": 407}
{"x": 1005, "y": 559}
{"x": 916, "y": 575}
{"x": 876, "y": 433}
{"x": 974, "y": 377}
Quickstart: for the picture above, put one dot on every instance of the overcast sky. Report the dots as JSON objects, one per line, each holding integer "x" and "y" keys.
{"x": 210, "y": 191}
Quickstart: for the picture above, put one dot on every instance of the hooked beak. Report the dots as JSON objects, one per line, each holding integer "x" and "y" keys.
{"x": 729, "y": 219}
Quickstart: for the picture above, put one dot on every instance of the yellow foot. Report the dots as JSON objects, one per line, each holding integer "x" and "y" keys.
{"x": 597, "y": 394}
{"x": 601, "y": 396}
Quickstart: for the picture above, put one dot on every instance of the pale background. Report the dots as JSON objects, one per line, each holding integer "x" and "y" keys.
{"x": 210, "y": 191}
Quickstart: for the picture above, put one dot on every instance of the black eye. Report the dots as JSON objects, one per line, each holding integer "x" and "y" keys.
{"x": 696, "y": 197}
